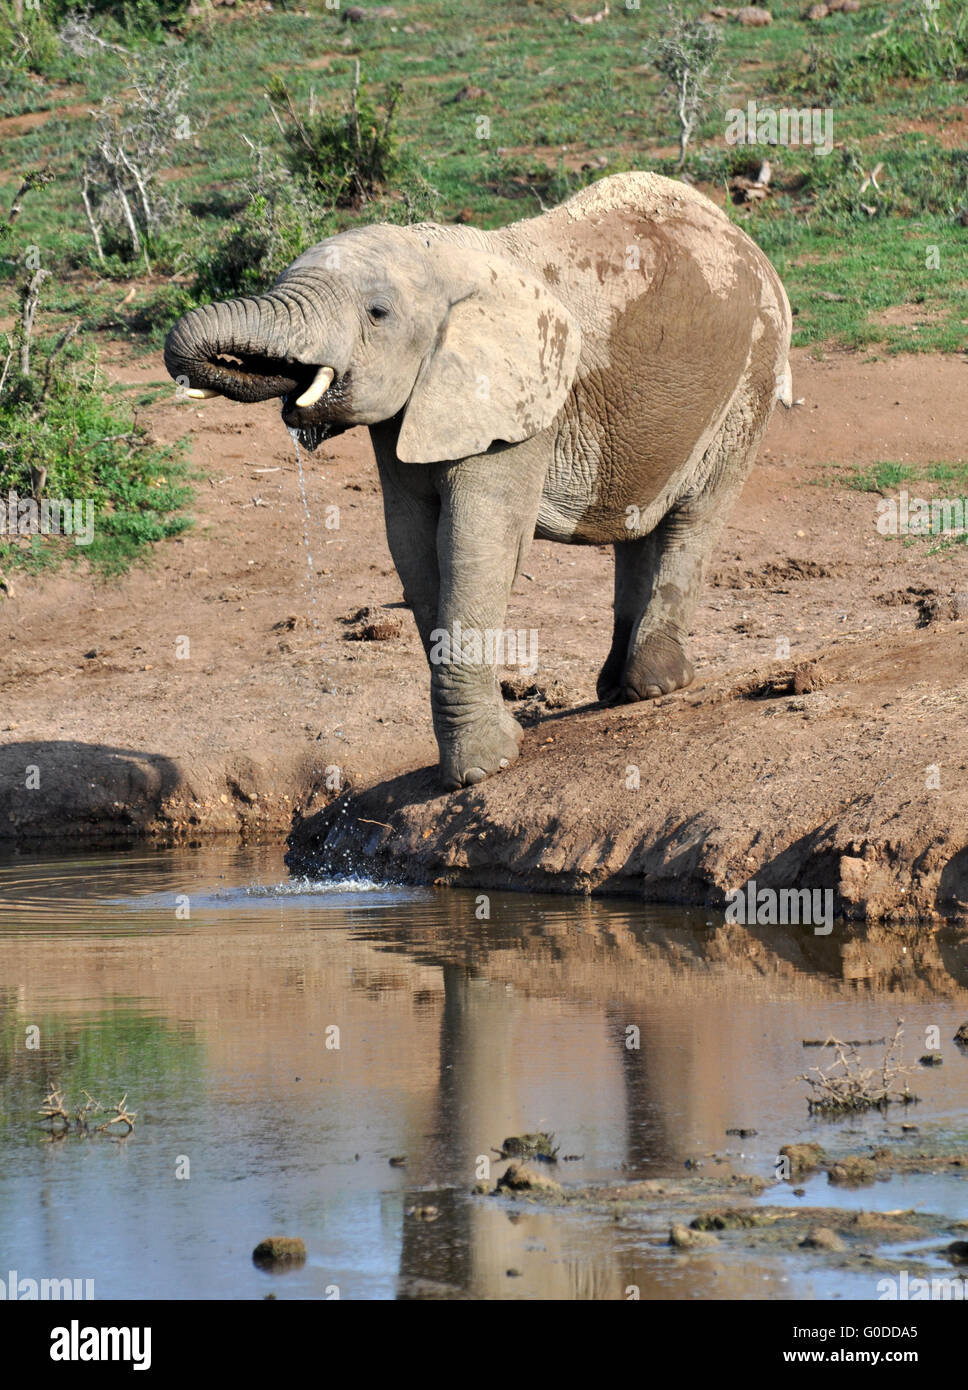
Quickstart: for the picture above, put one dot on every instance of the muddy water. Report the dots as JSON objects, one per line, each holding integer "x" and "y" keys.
{"x": 207, "y": 987}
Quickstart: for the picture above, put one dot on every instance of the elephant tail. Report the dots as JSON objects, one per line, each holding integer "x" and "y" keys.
{"x": 784, "y": 387}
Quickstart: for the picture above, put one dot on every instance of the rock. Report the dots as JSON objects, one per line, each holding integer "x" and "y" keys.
{"x": 354, "y": 15}
{"x": 277, "y": 1252}
{"x": 802, "y": 1158}
{"x": 816, "y": 12}
{"x": 931, "y": 1059}
{"x": 752, "y": 16}
{"x": 957, "y": 1252}
{"x": 398, "y": 1161}
{"x": 822, "y": 1238}
{"x": 962, "y": 1034}
{"x": 683, "y": 1238}
{"x": 520, "y": 1178}
{"x": 743, "y": 1133}
{"x": 852, "y": 1171}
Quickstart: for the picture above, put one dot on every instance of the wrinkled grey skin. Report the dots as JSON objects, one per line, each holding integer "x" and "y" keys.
{"x": 601, "y": 373}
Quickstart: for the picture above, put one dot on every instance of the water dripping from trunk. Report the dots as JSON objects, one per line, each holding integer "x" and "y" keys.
{"x": 313, "y": 587}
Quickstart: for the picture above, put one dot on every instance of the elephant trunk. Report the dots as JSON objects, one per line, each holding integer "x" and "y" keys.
{"x": 252, "y": 349}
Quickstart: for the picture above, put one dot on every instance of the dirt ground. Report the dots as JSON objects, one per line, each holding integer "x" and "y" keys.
{"x": 853, "y": 776}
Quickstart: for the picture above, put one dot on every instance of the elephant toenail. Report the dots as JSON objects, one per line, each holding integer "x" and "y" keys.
{"x": 473, "y": 775}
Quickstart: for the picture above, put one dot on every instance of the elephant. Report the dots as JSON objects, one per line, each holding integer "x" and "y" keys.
{"x": 599, "y": 374}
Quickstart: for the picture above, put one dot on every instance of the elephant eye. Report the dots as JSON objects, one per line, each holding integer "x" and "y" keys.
{"x": 378, "y": 311}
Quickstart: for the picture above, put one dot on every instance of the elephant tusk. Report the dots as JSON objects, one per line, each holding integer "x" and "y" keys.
{"x": 197, "y": 394}
{"x": 320, "y": 385}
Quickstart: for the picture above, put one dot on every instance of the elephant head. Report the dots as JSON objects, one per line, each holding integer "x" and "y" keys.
{"x": 385, "y": 322}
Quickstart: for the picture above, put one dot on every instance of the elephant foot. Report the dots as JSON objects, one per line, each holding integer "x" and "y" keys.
{"x": 609, "y": 684}
{"x": 658, "y": 666}
{"x": 476, "y": 750}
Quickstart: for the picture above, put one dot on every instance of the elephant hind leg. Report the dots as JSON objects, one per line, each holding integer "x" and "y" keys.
{"x": 658, "y": 577}
{"x": 657, "y": 581}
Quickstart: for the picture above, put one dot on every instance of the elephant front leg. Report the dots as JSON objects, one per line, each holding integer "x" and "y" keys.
{"x": 488, "y": 510}
{"x": 411, "y": 510}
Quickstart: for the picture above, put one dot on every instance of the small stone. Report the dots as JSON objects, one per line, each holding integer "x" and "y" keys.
{"x": 852, "y": 1171}
{"x": 802, "y": 1158}
{"x": 683, "y": 1238}
{"x": 520, "y": 1178}
{"x": 398, "y": 1161}
{"x": 957, "y": 1251}
{"x": 822, "y": 1238}
{"x": 279, "y": 1251}
{"x": 753, "y": 17}
{"x": 931, "y": 1059}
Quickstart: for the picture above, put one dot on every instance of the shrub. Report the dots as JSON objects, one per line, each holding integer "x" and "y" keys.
{"x": 28, "y": 43}
{"x": 62, "y": 435}
{"x": 924, "y": 41}
{"x": 276, "y": 223}
{"x": 346, "y": 158}
{"x": 127, "y": 207}
{"x": 689, "y": 57}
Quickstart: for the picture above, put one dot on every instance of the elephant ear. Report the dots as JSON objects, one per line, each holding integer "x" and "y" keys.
{"x": 502, "y": 365}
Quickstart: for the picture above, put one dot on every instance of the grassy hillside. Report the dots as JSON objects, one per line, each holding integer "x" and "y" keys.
{"x": 498, "y": 110}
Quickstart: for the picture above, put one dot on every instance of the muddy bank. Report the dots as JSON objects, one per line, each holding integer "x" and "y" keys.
{"x": 851, "y": 778}
{"x": 689, "y": 798}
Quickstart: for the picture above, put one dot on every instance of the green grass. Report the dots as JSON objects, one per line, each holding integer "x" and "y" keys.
{"x": 86, "y": 442}
{"x": 886, "y": 475}
{"x": 554, "y": 92}
{"x": 933, "y": 481}
{"x": 553, "y": 106}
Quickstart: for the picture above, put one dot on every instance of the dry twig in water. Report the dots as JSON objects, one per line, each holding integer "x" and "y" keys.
{"x": 847, "y": 1086}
